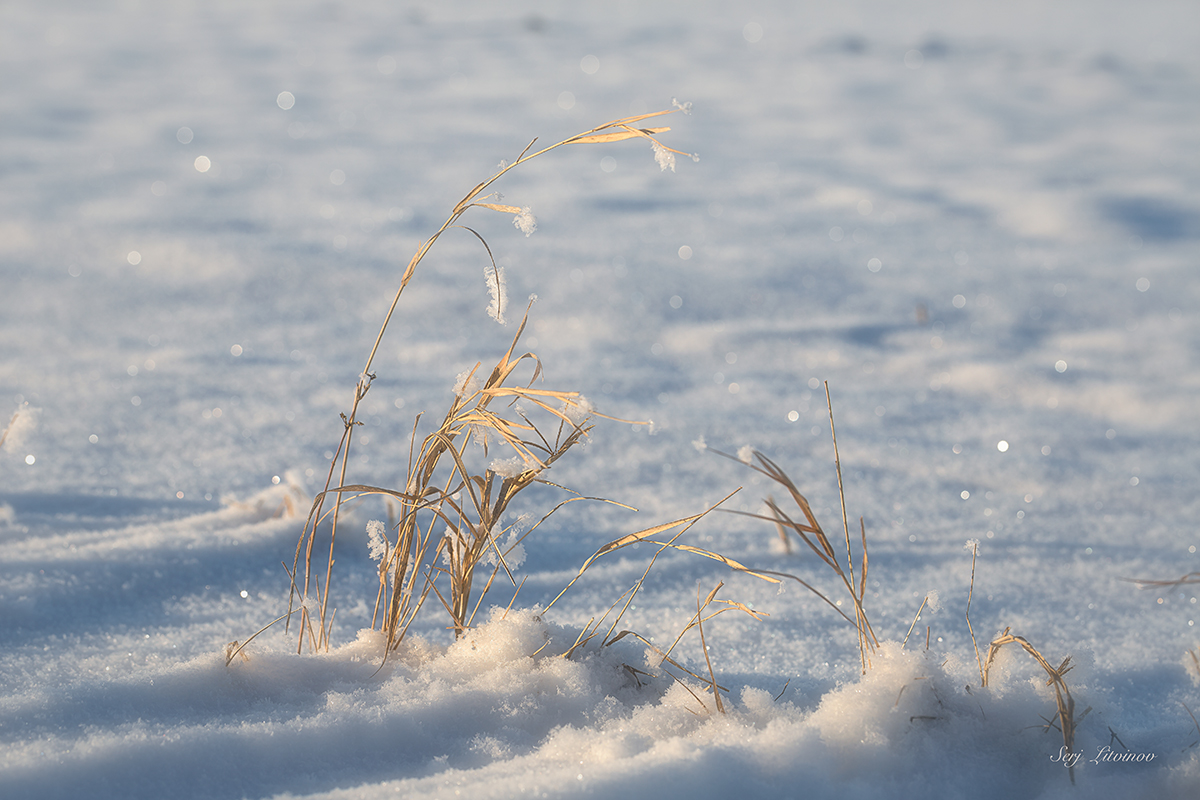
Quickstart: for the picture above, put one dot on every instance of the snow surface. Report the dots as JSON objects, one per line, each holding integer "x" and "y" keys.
{"x": 977, "y": 222}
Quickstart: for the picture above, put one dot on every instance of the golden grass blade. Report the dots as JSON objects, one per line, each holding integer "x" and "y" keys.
{"x": 916, "y": 617}
{"x": 812, "y": 589}
{"x": 704, "y": 645}
{"x": 634, "y": 538}
{"x": 758, "y": 615}
{"x": 970, "y": 593}
{"x": 497, "y": 207}
{"x": 837, "y": 462}
{"x": 617, "y": 136}
{"x": 729, "y": 562}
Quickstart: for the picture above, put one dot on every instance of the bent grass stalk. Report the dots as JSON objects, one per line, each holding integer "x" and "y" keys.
{"x": 467, "y": 502}
{"x": 812, "y": 534}
{"x": 1062, "y": 694}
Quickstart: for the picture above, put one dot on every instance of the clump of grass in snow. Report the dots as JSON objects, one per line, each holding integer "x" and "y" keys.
{"x": 1062, "y": 694}
{"x": 449, "y": 512}
{"x": 592, "y": 630}
{"x": 811, "y": 533}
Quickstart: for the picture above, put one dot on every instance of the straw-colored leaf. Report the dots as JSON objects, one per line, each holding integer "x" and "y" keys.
{"x": 617, "y": 136}
{"x": 499, "y": 207}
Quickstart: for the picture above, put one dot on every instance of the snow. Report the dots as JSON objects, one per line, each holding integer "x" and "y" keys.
{"x": 977, "y": 222}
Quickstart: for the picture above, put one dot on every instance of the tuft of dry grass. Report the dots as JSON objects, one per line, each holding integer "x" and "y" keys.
{"x": 462, "y": 502}
{"x": 810, "y": 532}
{"x": 1062, "y": 695}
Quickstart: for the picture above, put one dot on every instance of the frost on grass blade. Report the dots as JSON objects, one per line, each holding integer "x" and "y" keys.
{"x": 700, "y": 444}
{"x": 663, "y": 157}
{"x": 508, "y": 467}
{"x": 686, "y": 108}
{"x": 496, "y": 288}
{"x": 578, "y": 410}
{"x": 745, "y": 454}
{"x": 525, "y": 221}
{"x": 511, "y": 548}
{"x": 376, "y": 542}
{"x": 466, "y": 383}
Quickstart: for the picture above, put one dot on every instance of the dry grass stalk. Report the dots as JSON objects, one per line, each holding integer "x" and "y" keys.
{"x": 970, "y": 593}
{"x": 1062, "y": 695}
{"x": 914, "y": 622}
{"x": 812, "y": 534}
{"x": 409, "y": 569}
{"x": 1194, "y": 723}
{"x": 697, "y": 621}
{"x": 704, "y": 644}
{"x": 443, "y": 490}
{"x": 591, "y": 630}
{"x": 1144, "y": 583}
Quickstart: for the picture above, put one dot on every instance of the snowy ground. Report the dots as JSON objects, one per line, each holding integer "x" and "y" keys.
{"x": 979, "y": 223}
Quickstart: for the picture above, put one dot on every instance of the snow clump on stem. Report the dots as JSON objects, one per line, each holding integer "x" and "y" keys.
{"x": 663, "y": 157}
{"x": 525, "y": 221}
{"x": 496, "y": 288}
{"x": 466, "y": 384}
{"x": 377, "y": 544}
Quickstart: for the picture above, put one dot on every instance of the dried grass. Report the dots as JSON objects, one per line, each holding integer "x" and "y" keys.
{"x": 1147, "y": 583}
{"x": 810, "y": 532}
{"x": 443, "y": 491}
{"x": 1062, "y": 695}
